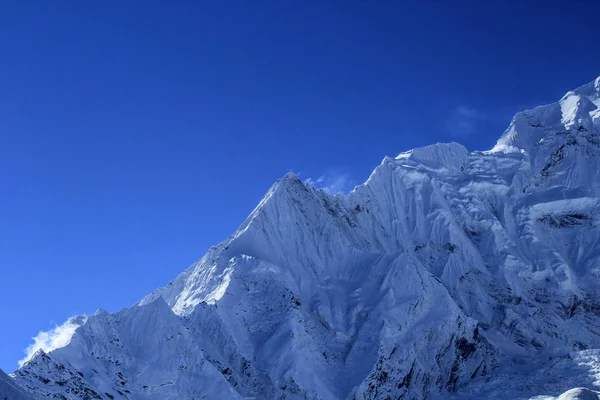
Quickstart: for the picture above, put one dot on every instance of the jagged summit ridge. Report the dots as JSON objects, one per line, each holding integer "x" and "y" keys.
{"x": 440, "y": 155}
{"x": 446, "y": 272}
{"x": 578, "y": 110}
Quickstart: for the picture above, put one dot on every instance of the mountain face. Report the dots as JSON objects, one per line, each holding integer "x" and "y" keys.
{"x": 9, "y": 390}
{"x": 448, "y": 273}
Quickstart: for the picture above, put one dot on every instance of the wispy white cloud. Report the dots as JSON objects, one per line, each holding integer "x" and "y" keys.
{"x": 55, "y": 338}
{"x": 464, "y": 121}
{"x": 333, "y": 182}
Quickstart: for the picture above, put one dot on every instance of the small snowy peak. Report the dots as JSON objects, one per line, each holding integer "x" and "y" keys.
{"x": 580, "y": 105}
{"x": 55, "y": 338}
{"x": 579, "y": 394}
{"x": 289, "y": 181}
{"x": 285, "y": 188}
{"x": 38, "y": 353}
{"x": 577, "y": 111}
{"x": 290, "y": 177}
{"x": 143, "y": 352}
{"x": 10, "y": 390}
{"x": 527, "y": 128}
{"x": 45, "y": 377}
{"x": 590, "y": 90}
{"x": 450, "y": 156}
{"x": 40, "y": 356}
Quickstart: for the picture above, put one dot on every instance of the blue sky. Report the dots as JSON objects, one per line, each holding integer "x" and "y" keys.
{"x": 135, "y": 135}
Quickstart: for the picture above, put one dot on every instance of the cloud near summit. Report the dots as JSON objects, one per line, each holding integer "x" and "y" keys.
{"x": 333, "y": 182}
{"x": 55, "y": 338}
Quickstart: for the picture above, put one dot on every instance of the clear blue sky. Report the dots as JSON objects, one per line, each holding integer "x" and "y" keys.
{"x": 136, "y": 134}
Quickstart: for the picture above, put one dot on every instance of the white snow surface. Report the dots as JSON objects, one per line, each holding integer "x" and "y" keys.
{"x": 55, "y": 338}
{"x": 10, "y": 390}
{"x": 448, "y": 274}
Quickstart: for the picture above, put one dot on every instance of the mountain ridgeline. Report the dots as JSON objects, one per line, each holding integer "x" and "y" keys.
{"x": 447, "y": 274}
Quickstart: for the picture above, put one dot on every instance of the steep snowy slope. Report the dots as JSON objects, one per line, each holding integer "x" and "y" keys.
{"x": 9, "y": 390}
{"x": 447, "y": 273}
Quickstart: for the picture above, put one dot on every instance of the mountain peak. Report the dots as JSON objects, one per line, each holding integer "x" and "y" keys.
{"x": 591, "y": 89}
{"x": 577, "y": 110}
{"x": 40, "y": 354}
{"x": 440, "y": 155}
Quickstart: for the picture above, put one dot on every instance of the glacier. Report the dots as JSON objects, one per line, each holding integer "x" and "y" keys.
{"x": 447, "y": 274}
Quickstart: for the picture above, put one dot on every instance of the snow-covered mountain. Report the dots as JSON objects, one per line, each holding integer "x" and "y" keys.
{"x": 9, "y": 390}
{"x": 448, "y": 273}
